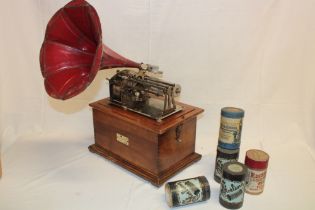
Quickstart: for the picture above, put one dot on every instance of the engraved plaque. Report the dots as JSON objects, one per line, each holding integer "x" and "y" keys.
{"x": 122, "y": 139}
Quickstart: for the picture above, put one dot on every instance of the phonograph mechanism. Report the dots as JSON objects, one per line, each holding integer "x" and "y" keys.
{"x": 128, "y": 127}
{"x": 138, "y": 92}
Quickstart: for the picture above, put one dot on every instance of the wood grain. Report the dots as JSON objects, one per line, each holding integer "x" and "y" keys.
{"x": 156, "y": 150}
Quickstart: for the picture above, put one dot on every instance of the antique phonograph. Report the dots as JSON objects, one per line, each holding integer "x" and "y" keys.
{"x": 140, "y": 126}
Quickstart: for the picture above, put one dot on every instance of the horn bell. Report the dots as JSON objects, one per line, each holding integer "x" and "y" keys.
{"x": 72, "y": 51}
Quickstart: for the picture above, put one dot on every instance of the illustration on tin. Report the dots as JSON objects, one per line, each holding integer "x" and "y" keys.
{"x": 232, "y": 191}
{"x": 235, "y": 133}
{"x": 188, "y": 192}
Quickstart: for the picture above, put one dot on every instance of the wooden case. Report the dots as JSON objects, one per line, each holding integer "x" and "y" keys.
{"x": 153, "y": 150}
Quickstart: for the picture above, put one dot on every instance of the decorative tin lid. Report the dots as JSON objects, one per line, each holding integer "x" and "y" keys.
{"x": 232, "y": 112}
{"x": 256, "y": 159}
{"x": 227, "y": 153}
{"x": 234, "y": 171}
{"x": 168, "y": 195}
{"x": 205, "y": 186}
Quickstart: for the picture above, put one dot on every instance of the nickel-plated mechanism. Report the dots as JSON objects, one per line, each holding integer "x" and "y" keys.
{"x": 144, "y": 94}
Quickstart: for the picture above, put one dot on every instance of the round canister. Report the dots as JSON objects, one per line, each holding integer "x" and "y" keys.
{"x": 187, "y": 191}
{"x": 224, "y": 156}
{"x": 231, "y": 127}
{"x": 233, "y": 185}
{"x": 257, "y": 163}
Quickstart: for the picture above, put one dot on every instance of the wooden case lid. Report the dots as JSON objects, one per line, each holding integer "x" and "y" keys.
{"x": 136, "y": 119}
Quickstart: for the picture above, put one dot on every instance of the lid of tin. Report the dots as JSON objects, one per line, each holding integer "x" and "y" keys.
{"x": 205, "y": 186}
{"x": 234, "y": 171}
{"x": 168, "y": 195}
{"x": 256, "y": 159}
{"x": 232, "y": 112}
{"x": 227, "y": 151}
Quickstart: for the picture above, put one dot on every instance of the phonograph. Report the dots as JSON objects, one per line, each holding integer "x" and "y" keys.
{"x": 140, "y": 126}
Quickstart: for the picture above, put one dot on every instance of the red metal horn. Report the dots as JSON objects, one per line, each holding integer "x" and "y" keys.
{"x": 73, "y": 52}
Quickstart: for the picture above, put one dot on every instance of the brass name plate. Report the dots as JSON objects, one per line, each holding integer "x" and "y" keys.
{"x": 122, "y": 139}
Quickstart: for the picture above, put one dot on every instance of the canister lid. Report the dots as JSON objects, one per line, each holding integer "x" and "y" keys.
{"x": 227, "y": 153}
{"x": 256, "y": 159}
{"x": 232, "y": 112}
{"x": 205, "y": 186}
{"x": 234, "y": 171}
{"x": 169, "y": 195}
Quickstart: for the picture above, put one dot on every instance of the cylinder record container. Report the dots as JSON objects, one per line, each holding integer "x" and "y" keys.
{"x": 187, "y": 191}
{"x": 233, "y": 185}
{"x": 224, "y": 156}
{"x": 231, "y": 127}
{"x": 257, "y": 163}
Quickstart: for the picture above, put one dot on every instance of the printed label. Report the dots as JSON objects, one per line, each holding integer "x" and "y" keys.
{"x": 255, "y": 181}
{"x": 189, "y": 191}
{"x": 230, "y": 130}
{"x": 219, "y": 165}
{"x": 232, "y": 191}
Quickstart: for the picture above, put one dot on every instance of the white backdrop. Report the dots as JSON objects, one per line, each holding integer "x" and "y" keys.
{"x": 255, "y": 54}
